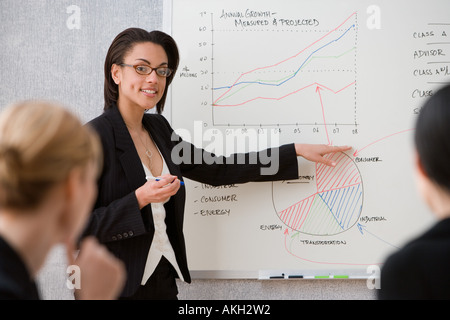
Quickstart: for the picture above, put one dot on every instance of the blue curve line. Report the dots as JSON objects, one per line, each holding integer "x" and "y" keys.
{"x": 362, "y": 227}
{"x": 295, "y": 74}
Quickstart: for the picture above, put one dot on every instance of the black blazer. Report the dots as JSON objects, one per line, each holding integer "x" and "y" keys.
{"x": 117, "y": 221}
{"x": 15, "y": 280}
{"x": 420, "y": 270}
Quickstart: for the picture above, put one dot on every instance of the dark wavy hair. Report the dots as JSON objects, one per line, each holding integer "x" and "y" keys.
{"x": 123, "y": 44}
{"x": 432, "y": 137}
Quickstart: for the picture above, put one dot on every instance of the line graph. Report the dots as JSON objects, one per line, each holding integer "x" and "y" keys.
{"x": 326, "y": 60}
{"x": 284, "y": 80}
{"x": 334, "y": 205}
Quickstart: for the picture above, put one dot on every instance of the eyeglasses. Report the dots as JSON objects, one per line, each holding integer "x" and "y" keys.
{"x": 146, "y": 70}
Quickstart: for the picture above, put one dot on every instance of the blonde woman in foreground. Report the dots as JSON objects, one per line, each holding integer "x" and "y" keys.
{"x": 49, "y": 163}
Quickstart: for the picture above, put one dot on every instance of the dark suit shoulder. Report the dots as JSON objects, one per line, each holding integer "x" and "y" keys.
{"x": 418, "y": 270}
{"x": 434, "y": 242}
{"x": 15, "y": 280}
{"x": 157, "y": 120}
{"x": 158, "y": 126}
{"x": 418, "y": 252}
{"x": 101, "y": 123}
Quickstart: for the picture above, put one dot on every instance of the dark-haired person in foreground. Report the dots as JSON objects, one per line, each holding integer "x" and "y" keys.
{"x": 139, "y": 219}
{"x": 420, "y": 270}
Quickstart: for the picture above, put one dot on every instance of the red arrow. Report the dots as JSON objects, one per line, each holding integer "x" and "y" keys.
{"x": 323, "y": 113}
{"x": 286, "y": 233}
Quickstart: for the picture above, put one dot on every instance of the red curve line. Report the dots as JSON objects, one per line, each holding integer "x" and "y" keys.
{"x": 289, "y": 94}
{"x": 324, "y": 262}
{"x": 393, "y": 134}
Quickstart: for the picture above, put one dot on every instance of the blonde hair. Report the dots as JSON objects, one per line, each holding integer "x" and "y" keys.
{"x": 40, "y": 143}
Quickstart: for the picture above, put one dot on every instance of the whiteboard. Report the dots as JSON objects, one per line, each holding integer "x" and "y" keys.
{"x": 266, "y": 73}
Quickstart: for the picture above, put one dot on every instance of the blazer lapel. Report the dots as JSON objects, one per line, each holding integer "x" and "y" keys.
{"x": 159, "y": 134}
{"x": 166, "y": 152}
{"x": 129, "y": 158}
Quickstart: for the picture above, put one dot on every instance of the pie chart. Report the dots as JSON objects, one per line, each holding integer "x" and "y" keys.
{"x": 323, "y": 201}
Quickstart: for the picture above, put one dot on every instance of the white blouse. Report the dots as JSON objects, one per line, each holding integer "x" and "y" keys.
{"x": 160, "y": 245}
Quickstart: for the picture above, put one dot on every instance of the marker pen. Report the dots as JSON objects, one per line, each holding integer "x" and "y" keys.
{"x": 158, "y": 179}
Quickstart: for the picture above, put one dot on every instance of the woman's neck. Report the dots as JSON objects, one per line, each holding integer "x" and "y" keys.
{"x": 438, "y": 199}
{"x": 132, "y": 115}
{"x": 442, "y": 206}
